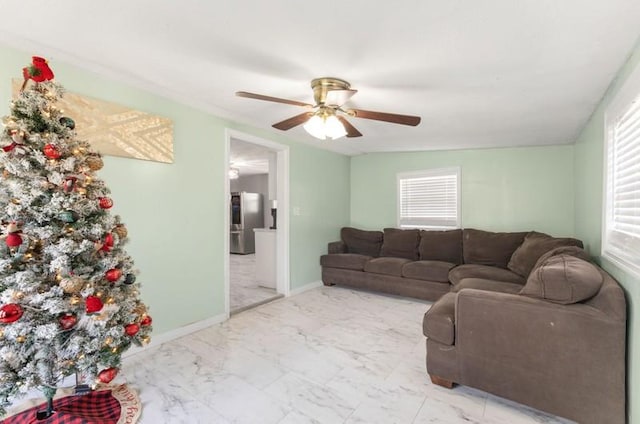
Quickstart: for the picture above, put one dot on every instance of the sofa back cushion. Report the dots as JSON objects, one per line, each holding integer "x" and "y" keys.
{"x": 563, "y": 279}
{"x": 610, "y": 299}
{"x": 400, "y": 243}
{"x": 489, "y": 248}
{"x": 534, "y": 246}
{"x": 576, "y": 251}
{"x": 362, "y": 242}
{"x": 443, "y": 246}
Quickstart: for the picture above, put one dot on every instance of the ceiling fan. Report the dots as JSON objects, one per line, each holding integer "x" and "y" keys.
{"x": 326, "y": 118}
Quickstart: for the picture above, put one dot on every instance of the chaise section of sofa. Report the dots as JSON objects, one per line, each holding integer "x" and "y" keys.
{"x": 557, "y": 344}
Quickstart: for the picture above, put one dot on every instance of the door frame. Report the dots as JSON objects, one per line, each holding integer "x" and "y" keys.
{"x": 283, "y": 285}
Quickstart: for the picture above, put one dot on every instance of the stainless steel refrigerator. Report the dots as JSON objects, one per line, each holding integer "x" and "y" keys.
{"x": 246, "y": 214}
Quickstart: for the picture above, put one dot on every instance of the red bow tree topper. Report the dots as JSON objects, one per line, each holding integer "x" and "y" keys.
{"x": 38, "y": 71}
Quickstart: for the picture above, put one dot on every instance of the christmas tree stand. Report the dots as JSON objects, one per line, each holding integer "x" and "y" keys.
{"x": 106, "y": 405}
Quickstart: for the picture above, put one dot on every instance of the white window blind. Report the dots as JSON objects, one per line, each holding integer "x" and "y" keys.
{"x": 429, "y": 198}
{"x": 621, "y": 229}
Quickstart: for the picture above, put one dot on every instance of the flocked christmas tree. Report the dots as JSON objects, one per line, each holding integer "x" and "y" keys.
{"x": 69, "y": 302}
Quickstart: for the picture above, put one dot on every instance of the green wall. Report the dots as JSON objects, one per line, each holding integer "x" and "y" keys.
{"x": 505, "y": 189}
{"x": 174, "y": 212}
{"x": 589, "y": 161}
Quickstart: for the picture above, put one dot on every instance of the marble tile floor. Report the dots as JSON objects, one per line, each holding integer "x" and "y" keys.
{"x": 244, "y": 289}
{"x": 329, "y": 355}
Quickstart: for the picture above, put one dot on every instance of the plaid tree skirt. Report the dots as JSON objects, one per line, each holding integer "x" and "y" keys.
{"x": 116, "y": 405}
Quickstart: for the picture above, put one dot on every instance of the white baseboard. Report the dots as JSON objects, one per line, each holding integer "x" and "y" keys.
{"x": 306, "y": 287}
{"x": 176, "y": 334}
{"x": 157, "y": 340}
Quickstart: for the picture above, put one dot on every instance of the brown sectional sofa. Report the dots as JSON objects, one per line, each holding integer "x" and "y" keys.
{"x": 522, "y": 315}
{"x": 422, "y": 264}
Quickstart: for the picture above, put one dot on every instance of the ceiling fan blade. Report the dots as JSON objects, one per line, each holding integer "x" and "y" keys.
{"x": 287, "y": 124}
{"x": 271, "y": 99}
{"x": 350, "y": 129}
{"x": 387, "y": 117}
{"x": 339, "y": 97}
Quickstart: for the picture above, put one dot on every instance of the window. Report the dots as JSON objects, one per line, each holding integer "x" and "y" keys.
{"x": 429, "y": 199}
{"x": 621, "y": 223}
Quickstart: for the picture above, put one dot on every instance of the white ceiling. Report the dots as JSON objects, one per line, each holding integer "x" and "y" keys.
{"x": 249, "y": 158}
{"x": 480, "y": 73}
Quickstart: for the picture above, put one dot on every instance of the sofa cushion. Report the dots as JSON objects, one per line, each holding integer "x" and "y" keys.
{"x": 361, "y": 241}
{"x": 488, "y": 285}
{"x": 345, "y": 261}
{"x": 428, "y": 270}
{"x": 441, "y": 246}
{"x": 399, "y": 243}
{"x": 484, "y": 271}
{"x": 489, "y": 248}
{"x": 535, "y": 245}
{"x": 336, "y": 247}
{"x": 387, "y": 266}
{"x": 439, "y": 321}
{"x": 563, "y": 279}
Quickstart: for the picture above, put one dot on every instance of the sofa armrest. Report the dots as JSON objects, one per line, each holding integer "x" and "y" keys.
{"x": 477, "y": 309}
{"x": 337, "y": 247}
{"x": 541, "y": 353}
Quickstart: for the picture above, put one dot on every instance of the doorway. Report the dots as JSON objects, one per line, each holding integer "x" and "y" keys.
{"x": 256, "y": 222}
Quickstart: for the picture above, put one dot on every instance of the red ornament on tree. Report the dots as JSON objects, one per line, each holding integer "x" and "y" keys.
{"x": 51, "y": 151}
{"x": 105, "y": 376}
{"x": 67, "y": 321}
{"x": 113, "y": 275}
{"x": 146, "y": 321}
{"x": 131, "y": 329}
{"x": 13, "y": 238}
{"x": 10, "y": 313}
{"x": 108, "y": 243}
{"x": 93, "y": 304}
{"x": 105, "y": 202}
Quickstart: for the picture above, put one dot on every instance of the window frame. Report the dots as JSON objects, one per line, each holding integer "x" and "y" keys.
{"x": 626, "y": 96}
{"x": 427, "y": 173}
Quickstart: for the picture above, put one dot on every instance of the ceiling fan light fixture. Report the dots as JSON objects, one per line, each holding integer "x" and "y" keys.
{"x": 334, "y": 128}
{"x": 320, "y": 120}
{"x": 315, "y": 127}
{"x": 323, "y": 127}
